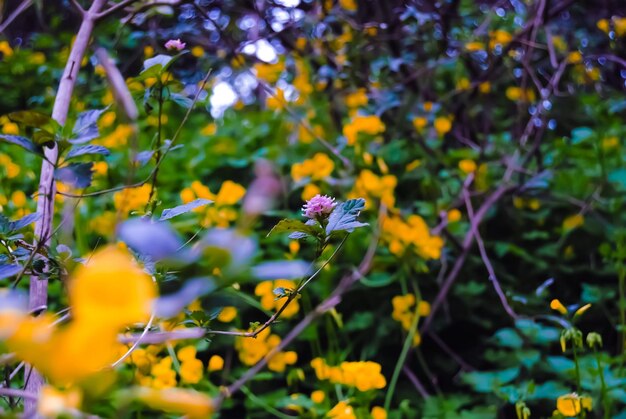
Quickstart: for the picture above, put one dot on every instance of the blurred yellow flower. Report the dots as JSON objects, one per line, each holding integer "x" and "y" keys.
{"x": 216, "y": 363}
{"x": 467, "y": 166}
{"x": 442, "y": 125}
{"x": 192, "y": 404}
{"x": 571, "y": 405}
{"x": 265, "y": 290}
{"x": 370, "y": 125}
{"x": 341, "y": 410}
{"x": 227, "y": 314}
{"x": 556, "y": 305}
{"x": 573, "y": 221}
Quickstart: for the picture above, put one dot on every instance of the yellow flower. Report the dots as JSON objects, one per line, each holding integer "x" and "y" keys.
{"x": 265, "y": 290}
{"x": 484, "y": 87}
{"x": 341, "y": 410}
{"x": 18, "y": 198}
{"x": 110, "y": 289}
{"x": 269, "y": 72}
{"x": 190, "y": 403}
{"x": 276, "y": 101}
{"x": 378, "y": 413}
{"x": 411, "y": 234}
{"x": 570, "y": 405}
{"x": 603, "y": 25}
{"x": 356, "y": 99}
{"x": 442, "y": 125}
{"x": 227, "y": 314}
{"x": 191, "y": 371}
{"x": 12, "y": 170}
{"x": 454, "y": 215}
{"x": 474, "y": 46}
{"x": 364, "y": 375}
{"x": 515, "y": 94}
{"x": 419, "y": 123}
{"x": 558, "y": 306}
{"x": 319, "y": 167}
{"x": 103, "y": 224}
{"x": 10, "y": 128}
{"x": 499, "y": 38}
{"x": 6, "y": 49}
{"x": 318, "y": 396}
{"x": 370, "y": 125}
{"x": 309, "y": 191}
{"x": 349, "y": 5}
{"x": 197, "y": 51}
{"x": 279, "y": 361}
{"x": 164, "y": 375}
{"x": 209, "y": 129}
{"x": 467, "y": 166}
{"x": 573, "y": 221}
{"x": 230, "y": 193}
{"x": 372, "y": 187}
{"x": 100, "y": 168}
{"x": 216, "y": 363}
{"x": 186, "y": 353}
{"x": 131, "y": 199}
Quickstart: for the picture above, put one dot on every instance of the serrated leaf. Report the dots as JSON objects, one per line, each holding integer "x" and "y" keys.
{"x": 24, "y": 221}
{"x": 77, "y": 175}
{"x": 182, "y": 209}
{"x": 22, "y": 142}
{"x": 87, "y": 149}
{"x": 295, "y": 226}
{"x": 86, "y": 126}
{"x": 7, "y": 271}
{"x": 343, "y": 217}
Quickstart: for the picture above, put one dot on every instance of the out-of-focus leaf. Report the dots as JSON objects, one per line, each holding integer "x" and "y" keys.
{"x": 86, "y": 126}
{"x": 295, "y": 226}
{"x": 24, "y": 221}
{"x": 486, "y": 382}
{"x": 343, "y": 217}
{"x": 33, "y": 119}
{"x": 144, "y": 157}
{"x": 171, "y": 305}
{"x": 182, "y": 209}
{"x": 77, "y": 175}
{"x": 7, "y": 271}
{"x": 87, "y": 149}
{"x": 22, "y": 142}
{"x": 619, "y": 177}
{"x": 157, "y": 241}
{"x": 287, "y": 269}
{"x": 239, "y": 247}
{"x": 181, "y": 100}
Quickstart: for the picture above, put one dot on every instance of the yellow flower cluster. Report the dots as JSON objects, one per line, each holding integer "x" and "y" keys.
{"x": 11, "y": 170}
{"x": 372, "y": 187}
{"x": 619, "y": 24}
{"x": 131, "y": 199}
{"x": 265, "y": 290}
{"x": 107, "y": 294}
{"x": 517, "y": 94}
{"x": 370, "y": 125}
{"x": 356, "y": 99}
{"x": 320, "y": 166}
{"x": 400, "y": 235}
{"x": 118, "y": 138}
{"x": 364, "y": 375}
{"x": 220, "y": 213}
{"x": 252, "y": 350}
{"x": 191, "y": 368}
{"x": 269, "y": 72}
{"x": 341, "y": 410}
{"x": 404, "y": 312}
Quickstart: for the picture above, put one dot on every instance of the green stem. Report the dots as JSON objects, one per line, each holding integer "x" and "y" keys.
{"x": 157, "y": 149}
{"x": 408, "y": 342}
{"x": 603, "y": 389}
{"x": 575, "y": 352}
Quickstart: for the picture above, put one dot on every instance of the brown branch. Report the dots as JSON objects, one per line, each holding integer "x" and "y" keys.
{"x": 416, "y": 382}
{"x": 161, "y": 337}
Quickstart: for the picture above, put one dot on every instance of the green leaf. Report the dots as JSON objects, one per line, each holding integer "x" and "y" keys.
{"x": 343, "y": 217}
{"x": 287, "y": 269}
{"x": 87, "y": 149}
{"x": 77, "y": 175}
{"x": 486, "y": 382}
{"x": 34, "y": 119}
{"x": 156, "y": 64}
{"x": 183, "y": 209}
{"x": 22, "y": 142}
{"x": 181, "y": 100}
{"x": 295, "y": 226}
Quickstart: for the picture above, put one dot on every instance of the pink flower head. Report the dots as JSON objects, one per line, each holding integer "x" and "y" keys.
{"x": 175, "y": 44}
{"x": 318, "y": 206}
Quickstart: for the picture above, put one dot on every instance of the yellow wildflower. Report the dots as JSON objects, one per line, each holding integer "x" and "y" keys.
{"x": 570, "y": 405}
{"x": 467, "y": 166}
{"x": 370, "y": 125}
{"x": 341, "y": 410}
{"x": 131, "y": 199}
{"x": 216, "y": 363}
{"x": 378, "y": 413}
{"x": 558, "y": 306}
{"x": 454, "y": 215}
{"x": 318, "y": 396}
{"x": 356, "y": 99}
{"x": 573, "y": 221}
{"x": 54, "y": 403}
{"x": 265, "y": 290}
{"x": 227, "y": 314}
{"x": 442, "y": 125}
